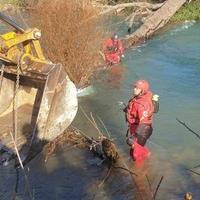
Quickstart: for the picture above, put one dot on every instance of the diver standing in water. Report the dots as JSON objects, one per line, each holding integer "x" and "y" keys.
{"x": 113, "y": 50}
{"x": 139, "y": 115}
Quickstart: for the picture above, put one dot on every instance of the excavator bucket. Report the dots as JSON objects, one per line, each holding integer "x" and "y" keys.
{"x": 38, "y": 100}
{"x": 45, "y": 105}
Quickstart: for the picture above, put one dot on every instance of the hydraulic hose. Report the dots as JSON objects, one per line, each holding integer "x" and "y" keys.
{"x": 11, "y": 22}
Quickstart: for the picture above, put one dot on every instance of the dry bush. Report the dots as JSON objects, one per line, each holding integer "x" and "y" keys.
{"x": 71, "y": 35}
{"x": 73, "y": 138}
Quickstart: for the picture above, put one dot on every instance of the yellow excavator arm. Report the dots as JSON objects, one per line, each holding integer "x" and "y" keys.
{"x": 47, "y": 98}
{"x": 26, "y": 46}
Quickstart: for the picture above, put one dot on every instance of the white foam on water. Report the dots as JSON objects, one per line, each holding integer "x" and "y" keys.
{"x": 186, "y": 25}
{"x": 89, "y": 90}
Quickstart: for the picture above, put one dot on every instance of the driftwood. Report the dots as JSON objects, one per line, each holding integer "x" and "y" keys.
{"x": 154, "y": 22}
{"x": 188, "y": 196}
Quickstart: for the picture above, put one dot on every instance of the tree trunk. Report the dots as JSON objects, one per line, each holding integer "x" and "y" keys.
{"x": 154, "y": 22}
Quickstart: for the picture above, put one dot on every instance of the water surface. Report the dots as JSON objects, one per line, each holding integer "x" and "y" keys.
{"x": 170, "y": 62}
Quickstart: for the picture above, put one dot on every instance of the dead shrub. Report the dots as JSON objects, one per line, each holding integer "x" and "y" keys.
{"x": 71, "y": 35}
{"x": 72, "y": 138}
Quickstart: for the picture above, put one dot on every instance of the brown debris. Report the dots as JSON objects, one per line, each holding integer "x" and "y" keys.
{"x": 76, "y": 139}
{"x": 188, "y": 196}
{"x": 68, "y": 137}
{"x": 72, "y": 35}
{"x": 110, "y": 150}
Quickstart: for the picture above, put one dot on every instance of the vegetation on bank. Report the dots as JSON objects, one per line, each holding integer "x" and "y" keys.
{"x": 190, "y": 11}
{"x": 13, "y": 2}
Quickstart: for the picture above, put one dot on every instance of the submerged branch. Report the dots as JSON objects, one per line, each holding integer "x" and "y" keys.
{"x": 187, "y": 127}
{"x": 106, "y": 177}
{"x": 126, "y": 169}
{"x": 156, "y": 191}
{"x": 150, "y": 187}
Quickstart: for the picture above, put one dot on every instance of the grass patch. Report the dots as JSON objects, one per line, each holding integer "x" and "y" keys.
{"x": 190, "y": 11}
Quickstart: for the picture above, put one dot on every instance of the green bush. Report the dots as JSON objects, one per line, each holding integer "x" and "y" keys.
{"x": 13, "y": 2}
{"x": 190, "y": 11}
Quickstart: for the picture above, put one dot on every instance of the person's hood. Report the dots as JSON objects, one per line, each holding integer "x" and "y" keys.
{"x": 147, "y": 95}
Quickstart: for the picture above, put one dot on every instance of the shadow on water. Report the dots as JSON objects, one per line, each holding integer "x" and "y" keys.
{"x": 120, "y": 185}
{"x": 10, "y": 167}
{"x": 69, "y": 174}
{"x": 183, "y": 181}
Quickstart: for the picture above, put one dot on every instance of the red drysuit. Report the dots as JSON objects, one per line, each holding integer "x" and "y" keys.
{"x": 139, "y": 115}
{"x": 113, "y": 50}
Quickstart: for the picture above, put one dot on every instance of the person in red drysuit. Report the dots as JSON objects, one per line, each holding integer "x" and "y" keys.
{"x": 139, "y": 115}
{"x": 113, "y": 50}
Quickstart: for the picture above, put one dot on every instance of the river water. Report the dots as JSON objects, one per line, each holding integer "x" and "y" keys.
{"x": 170, "y": 62}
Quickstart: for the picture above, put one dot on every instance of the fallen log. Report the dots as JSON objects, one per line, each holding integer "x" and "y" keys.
{"x": 154, "y": 22}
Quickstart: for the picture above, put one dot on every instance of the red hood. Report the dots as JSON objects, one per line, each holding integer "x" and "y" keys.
{"x": 147, "y": 95}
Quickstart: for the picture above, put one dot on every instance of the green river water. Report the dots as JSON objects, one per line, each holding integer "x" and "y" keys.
{"x": 170, "y": 62}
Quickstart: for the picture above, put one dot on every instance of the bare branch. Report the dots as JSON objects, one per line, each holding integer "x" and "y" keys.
{"x": 197, "y": 166}
{"x": 109, "y": 9}
{"x": 138, "y": 13}
{"x": 91, "y": 121}
{"x": 193, "y": 172}
{"x": 100, "y": 133}
{"x": 106, "y": 177}
{"x": 104, "y": 126}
